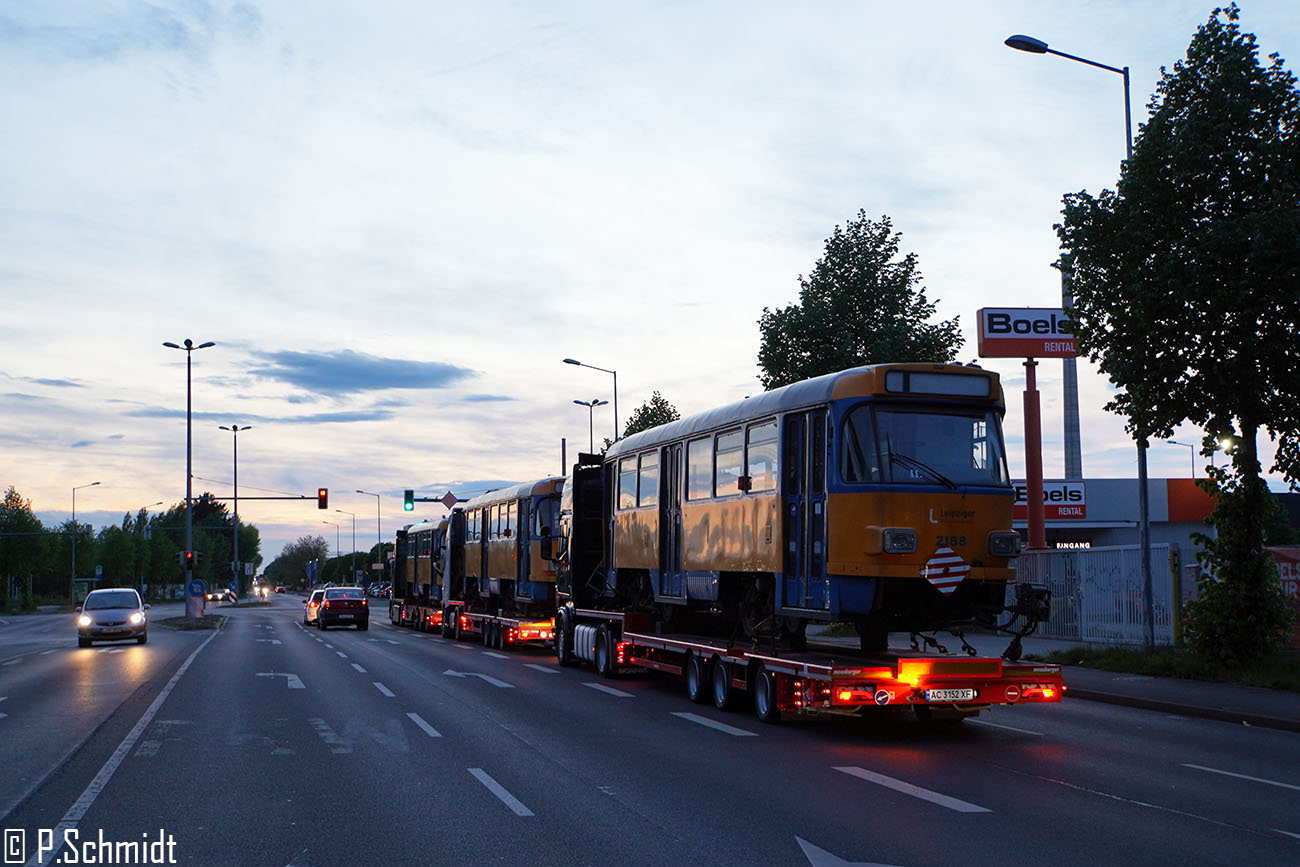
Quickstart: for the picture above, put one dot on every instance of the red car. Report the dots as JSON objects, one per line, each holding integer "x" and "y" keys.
{"x": 344, "y": 606}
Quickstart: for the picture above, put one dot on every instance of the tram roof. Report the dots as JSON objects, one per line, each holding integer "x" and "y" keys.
{"x": 855, "y": 381}
{"x": 514, "y": 492}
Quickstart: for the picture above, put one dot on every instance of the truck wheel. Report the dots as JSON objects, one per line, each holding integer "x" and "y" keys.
{"x": 564, "y": 641}
{"x": 446, "y": 624}
{"x": 765, "y": 703}
{"x": 604, "y": 656}
{"x": 485, "y": 633}
{"x": 695, "y": 669}
{"x": 723, "y": 691}
{"x": 457, "y": 631}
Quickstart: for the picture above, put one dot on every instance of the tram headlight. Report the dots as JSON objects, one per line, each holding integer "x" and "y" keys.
{"x": 899, "y": 541}
{"x": 1004, "y": 544}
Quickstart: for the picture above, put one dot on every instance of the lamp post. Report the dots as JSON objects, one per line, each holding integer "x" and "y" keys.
{"x": 1021, "y": 42}
{"x": 234, "y": 430}
{"x": 193, "y": 604}
{"x": 72, "y": 582}
{"x": 354, "y": 541}
{"x": 602, "y": 370}
{"x": 591, "y": 431}
{"x": 379, "y": 532}
{"x": 1186, "y": 446}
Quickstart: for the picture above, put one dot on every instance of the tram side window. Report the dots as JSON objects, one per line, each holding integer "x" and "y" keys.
{"x": 627, "y": 483}
{"x": 508, "y": 512}
{"x": 729, "y": 463}
{"x": 648, "y": 480}
{"x": 699, "y": 469}
{"x": 494, "y": 522}
{"x": 471, "y": 527}
{"x": 858, "y": 458}
{"x": 760, "y": 463}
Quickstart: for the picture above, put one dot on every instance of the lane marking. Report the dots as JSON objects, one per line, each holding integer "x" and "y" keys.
{"x": 497, "y": 789}
{"x": 544, "y": 669}
{"x": 717, "y": 726}
{"x": 269, "y": 641}
{"x": 359, "y": 668}
{"x": 292, "y": 680}
{"x": 980, "y": 722}
{"x": 389, "y": 640}
{"x": 46, "y": 652}
{"x": 1288, "y": 833}
{"x": 424, "y": 726}
{"x": 500, "y": 684}
{"x": 78, "y": 810}
{"x": 1244, "y": 777}
{"x": 330, "y": 646}
{"x": 383, "y": 689}
{"x": 609, "y": 690}
{"x": 336, "y": 744}
{"x": 14, "y": 661}
{"x": 819, "y": 857}
{"x": 915, "y": 791}
{"x": 341, "y": 653}
{"x": 2, "y": 698}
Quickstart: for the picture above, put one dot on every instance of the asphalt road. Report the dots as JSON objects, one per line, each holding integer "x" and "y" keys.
{"x": 269, "y": 743}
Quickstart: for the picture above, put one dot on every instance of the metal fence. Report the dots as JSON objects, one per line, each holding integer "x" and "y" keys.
{"x": 1097, "y": 593}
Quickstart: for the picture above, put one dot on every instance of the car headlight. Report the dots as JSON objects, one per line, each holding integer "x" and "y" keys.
{"x": 136, "y": 618}
{"x": 898, "y": 541}
{"x": 83, "y": 620}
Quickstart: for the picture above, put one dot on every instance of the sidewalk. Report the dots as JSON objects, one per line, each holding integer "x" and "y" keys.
{"x": 1246, "y": 705}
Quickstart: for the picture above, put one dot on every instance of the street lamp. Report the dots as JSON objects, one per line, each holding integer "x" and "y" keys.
{"x": 379, "y": 532}
{"x": 72, "y": 582}
{"x": 338, "y": 546}
{"x": 591, "y": 409}
{"x": 191, "y": 609}
{"x": 354, "y": 541}
{"x": 234, "y": 430}
{"x": 1186, "y": 446}
{"x": 1021, "y": 42}
{"x": 602, "y": 370}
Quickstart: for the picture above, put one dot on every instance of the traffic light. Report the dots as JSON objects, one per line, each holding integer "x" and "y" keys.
{"x": 322, "y": 498}
{"x": 408, "y": 501}
{"x": 188, "y": 560}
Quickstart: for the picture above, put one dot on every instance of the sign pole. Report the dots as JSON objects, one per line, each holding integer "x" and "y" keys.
{"x": 1034, "y": 460}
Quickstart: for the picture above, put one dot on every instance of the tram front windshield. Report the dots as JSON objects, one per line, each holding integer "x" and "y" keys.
{"x": 923, "y": 447}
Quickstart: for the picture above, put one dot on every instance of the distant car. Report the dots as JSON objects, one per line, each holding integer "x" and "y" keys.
{"x": 344, "y": 606}
{"x": 279, "y": 588}
{"x": 221, "y": 594}
{"x": 311, "y": 608}
{"x": 112, "y": 615}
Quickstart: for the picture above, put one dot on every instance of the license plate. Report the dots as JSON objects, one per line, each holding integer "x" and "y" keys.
{"x": 112, "y": 629}
{"x": 345, "y": 617}
{"x": 950, "y": 695}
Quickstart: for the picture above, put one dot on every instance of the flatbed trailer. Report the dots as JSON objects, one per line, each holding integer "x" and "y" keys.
{"x": 804, "y": 683}
{"x": 500, "y": 630}
{"x": 420, "y": 613}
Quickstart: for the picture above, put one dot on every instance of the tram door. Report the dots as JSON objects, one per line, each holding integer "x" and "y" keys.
{"x": 671, "y": 575}
{"x": 523, "y": 533}
{"x": 803, "y": 497}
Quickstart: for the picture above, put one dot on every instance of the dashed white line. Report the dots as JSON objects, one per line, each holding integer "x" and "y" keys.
{"x": 359, "y": 668}
{"x": 48, "y": 652}
{"x": 383, "y": 689}
{"x": 717, "y": 726}
{"x": 497, "y": 789}
{"x": 544, "y": 669}
{"x": 981, "y": 722}
{"x": 293, "y": 680}
{"x": 495, "y": 655}
{"x": 336, "y": 744}
{"x": 341, "y": 653}
{"x": 915, "y": 791}
{"x": 14, "y": 661}
{"x": 1244, "y": 777}
{"x": 424, "y": 726}
{"x": 609, "y": 690}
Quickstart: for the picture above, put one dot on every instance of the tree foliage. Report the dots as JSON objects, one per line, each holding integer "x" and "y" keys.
{"x": 862, "y": 304}
{"x": 1186, "y": 286}
{"x": 290, "y": 568}
{"x": 652, "y": 413}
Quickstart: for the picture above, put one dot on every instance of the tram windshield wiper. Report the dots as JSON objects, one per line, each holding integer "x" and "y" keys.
{"x": 921, "y": 466}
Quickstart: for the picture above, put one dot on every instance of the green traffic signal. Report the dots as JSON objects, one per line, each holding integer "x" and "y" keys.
{"x": 408, "y": 501}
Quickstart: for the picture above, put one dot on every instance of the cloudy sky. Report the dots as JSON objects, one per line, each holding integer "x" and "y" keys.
{"x": 395, "y": 219}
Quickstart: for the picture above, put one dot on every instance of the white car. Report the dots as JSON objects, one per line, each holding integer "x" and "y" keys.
{"x": 112, "y": 615}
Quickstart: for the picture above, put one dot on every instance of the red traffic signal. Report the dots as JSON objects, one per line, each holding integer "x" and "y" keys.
{"x": 189, "y": 559}
{"x": 322, "y": 498}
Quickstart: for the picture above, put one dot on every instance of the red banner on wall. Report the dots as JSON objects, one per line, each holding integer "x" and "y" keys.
{"x": 1288, "y": 573}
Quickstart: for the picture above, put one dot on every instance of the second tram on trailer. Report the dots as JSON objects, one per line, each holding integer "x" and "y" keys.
{"x": 878, "y": 496}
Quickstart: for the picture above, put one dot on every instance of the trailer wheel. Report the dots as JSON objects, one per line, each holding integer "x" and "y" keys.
{"x": 765, "y": 697}
{"x": 723, "y": 691}
{"x": 695, "y": 671}
{"x": 604, "y": 654}
{"x": 485, "y": 634}
{"x": 458, "y": 631}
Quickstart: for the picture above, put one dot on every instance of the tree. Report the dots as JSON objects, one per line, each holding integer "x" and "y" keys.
{"x": 290, "y": 567}
{"x": 1185, "y": 277}
{"x": 22, "y": 542}
{"x": 862, "y": 304}
{"x": 652, "y": 413}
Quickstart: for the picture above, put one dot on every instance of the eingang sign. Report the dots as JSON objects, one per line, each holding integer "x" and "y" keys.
{"x": 1025, "y": 332}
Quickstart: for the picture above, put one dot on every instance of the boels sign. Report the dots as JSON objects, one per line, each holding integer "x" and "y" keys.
{"x": 1061, "y": 501}
{"x": 1025, "y": 332}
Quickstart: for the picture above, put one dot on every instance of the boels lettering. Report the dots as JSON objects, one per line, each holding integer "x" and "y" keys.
{"x": 1005, "y": 323}
{"x": 1051, "y": 495}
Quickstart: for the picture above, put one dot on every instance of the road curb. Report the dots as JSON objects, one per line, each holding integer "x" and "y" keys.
{"x": 1214, "y": 713}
